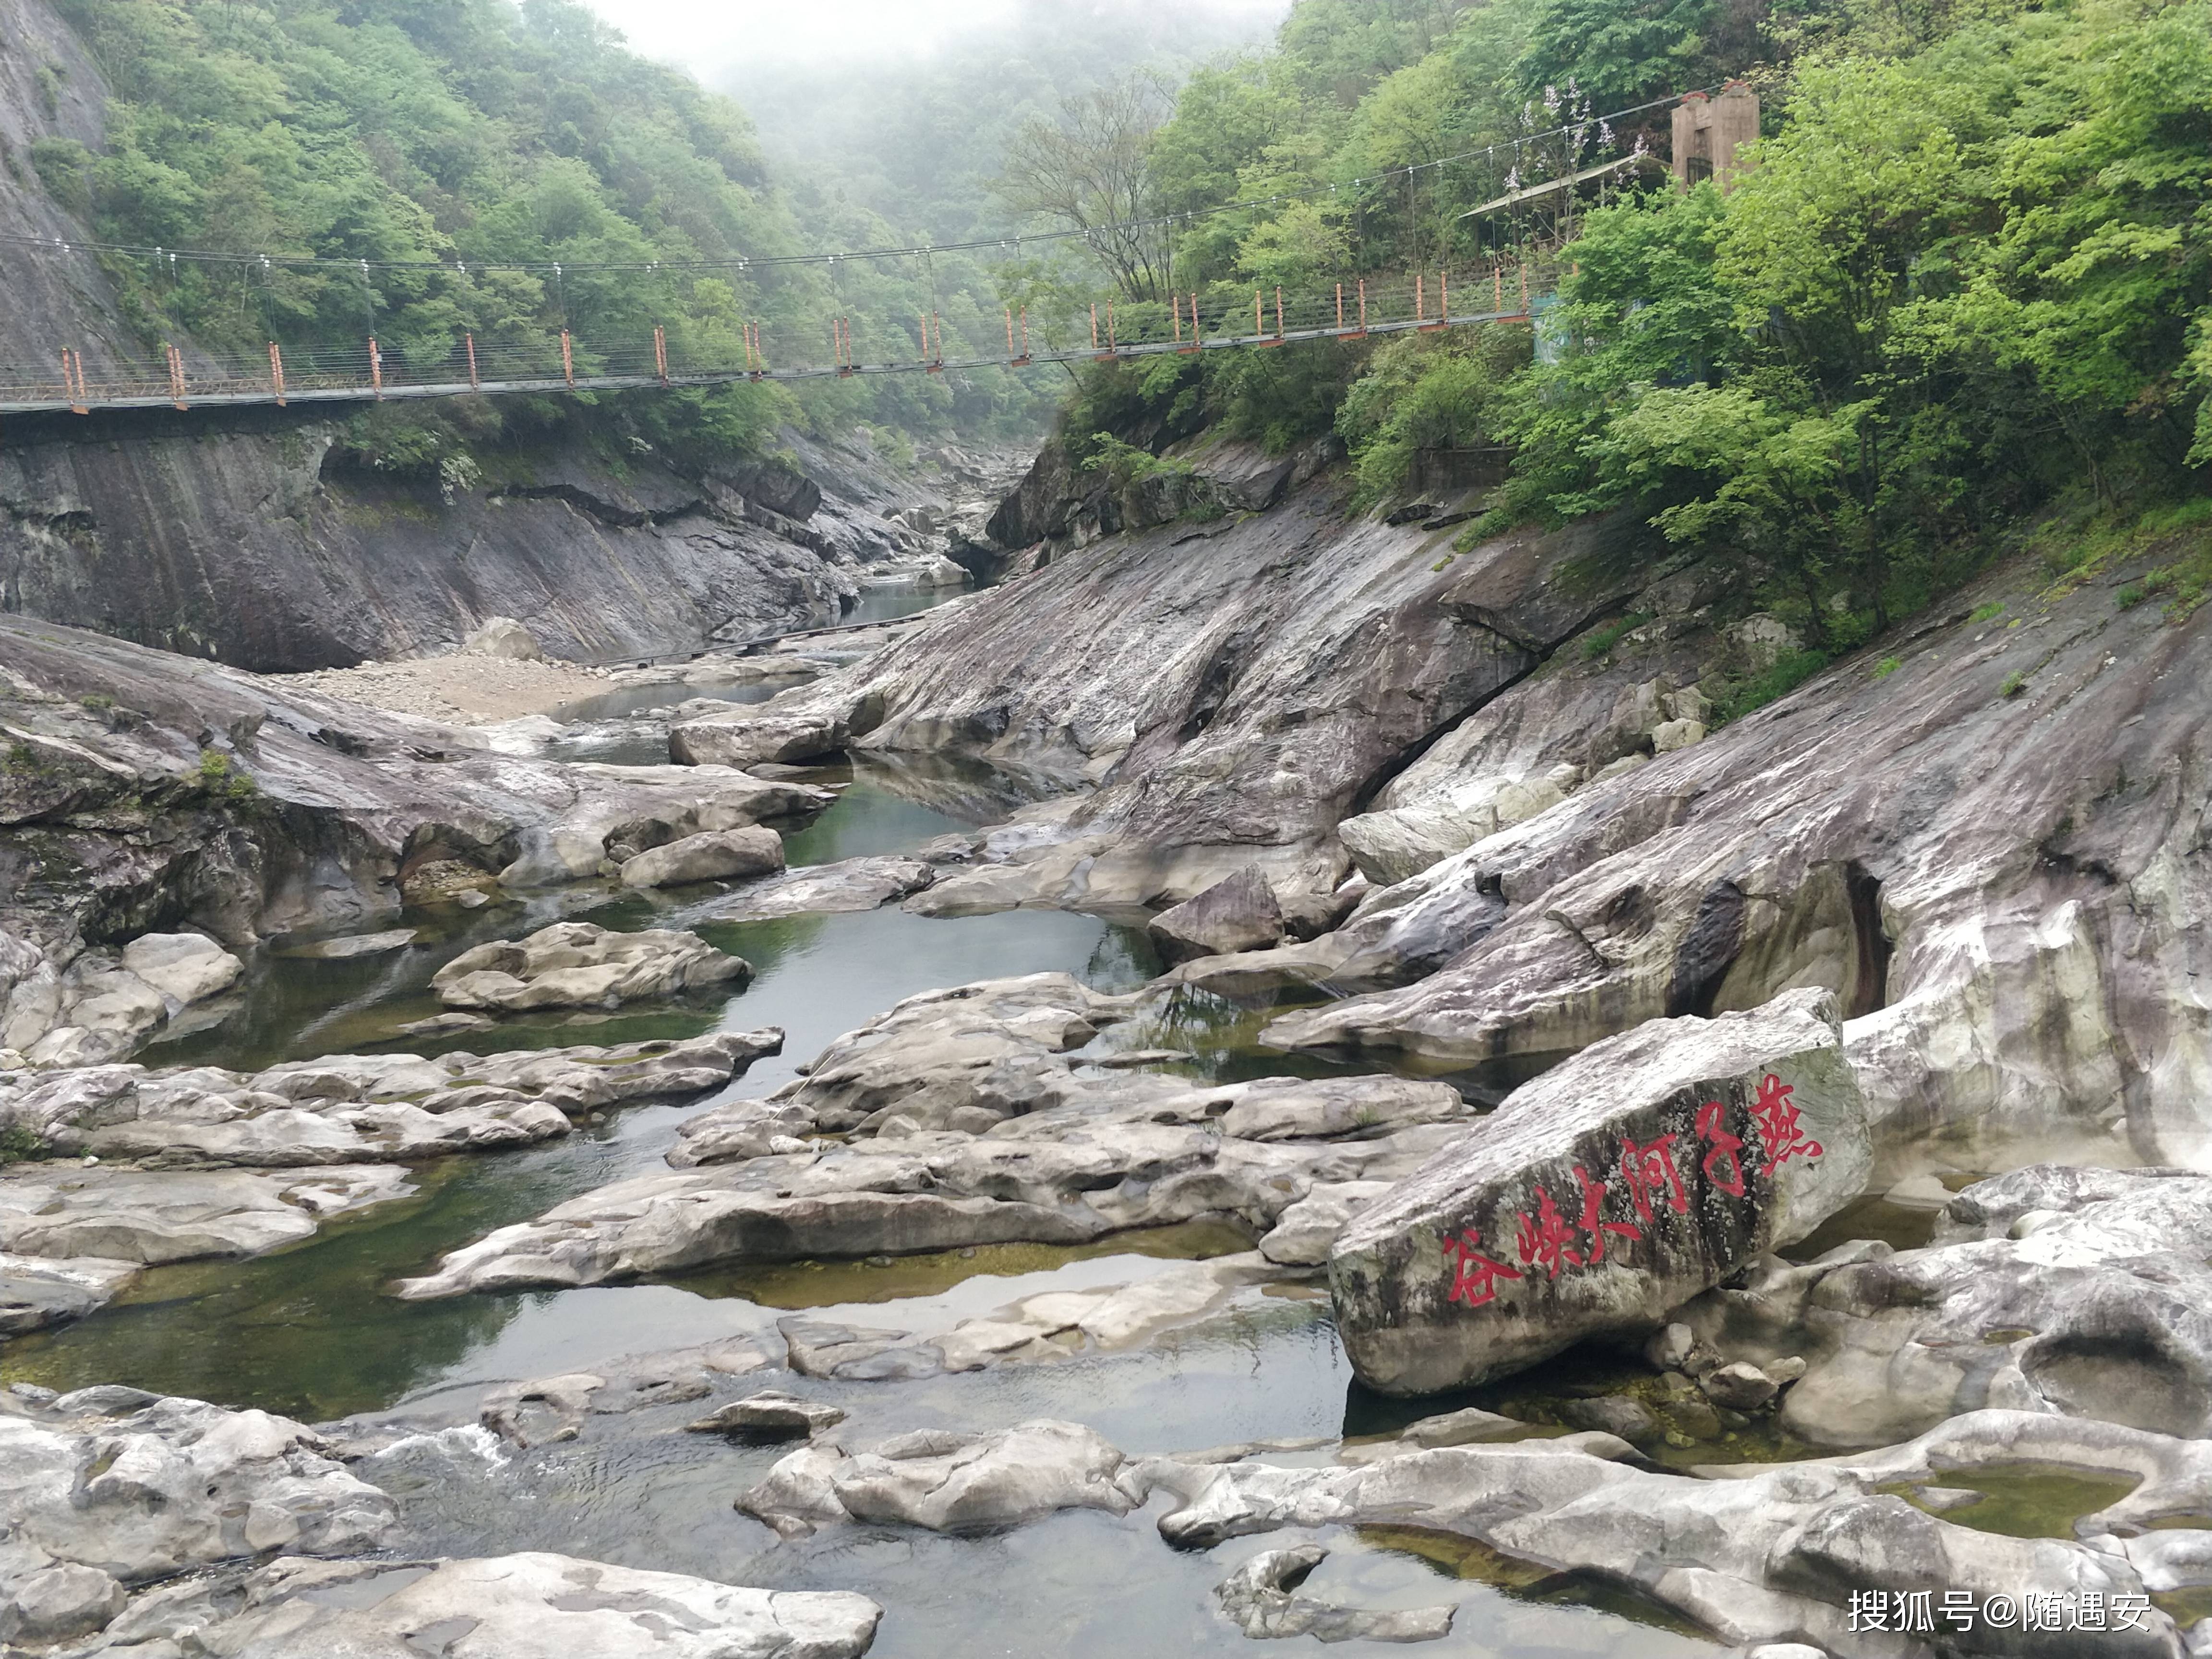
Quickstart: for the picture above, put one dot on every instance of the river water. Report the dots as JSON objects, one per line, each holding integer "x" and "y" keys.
{"x": 310, "y": 1333}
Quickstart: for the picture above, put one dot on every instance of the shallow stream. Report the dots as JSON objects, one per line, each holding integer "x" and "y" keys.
{"x": 310, "y": 1332}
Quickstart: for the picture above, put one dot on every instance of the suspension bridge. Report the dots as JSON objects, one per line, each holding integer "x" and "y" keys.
{"x": 554, "y": 364}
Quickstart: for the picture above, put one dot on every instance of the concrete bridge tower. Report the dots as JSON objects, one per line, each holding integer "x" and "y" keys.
{"x": 1710, "y": 134}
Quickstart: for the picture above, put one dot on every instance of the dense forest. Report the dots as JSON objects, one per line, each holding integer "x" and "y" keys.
{"x": 1963, "y": 301}
{"x": 1966, "y": 285}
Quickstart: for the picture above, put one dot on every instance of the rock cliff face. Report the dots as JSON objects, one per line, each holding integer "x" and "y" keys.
{"x": 1233, "y": 689}
{"x": 1991, "y": 845}
{"x": 256, "y": 540}
{"x": 49, "y": 88}
{"x": 255, "y": 537}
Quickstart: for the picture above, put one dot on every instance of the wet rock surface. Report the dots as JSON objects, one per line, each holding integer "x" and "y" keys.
{"x": 553, "y": 1605}
{"x": 1649, "y": 1167}
{"x": 969, "y": 1124}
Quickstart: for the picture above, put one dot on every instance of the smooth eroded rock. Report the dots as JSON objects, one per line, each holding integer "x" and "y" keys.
{"x": 711, "y": 855}
{"x": 1649, "y": 1167}
{"x": 1238, "y": 913}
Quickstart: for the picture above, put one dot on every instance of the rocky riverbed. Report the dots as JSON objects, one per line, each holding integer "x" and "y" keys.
{"x": 1336, "y": 1105}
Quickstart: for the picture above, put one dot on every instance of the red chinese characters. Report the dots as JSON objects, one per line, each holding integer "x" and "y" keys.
{"x": 1650, "y": 1173}
{"x": 1712, "y": 1121}
{"x": 1555, "y": 1240}
{"x": 1546, "y": 1242}
{"x": 1475, "y": 1275}
{"x": 1780, "y": 1135}
{"x": 1594, "y": 1223}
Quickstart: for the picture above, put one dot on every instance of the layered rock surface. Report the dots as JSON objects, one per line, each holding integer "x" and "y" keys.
{"x": 2009, "y": 893}
{"x": 969, "y": 1123}
{"x": 1242, "y": 700}
{"x": 580, "y": 965}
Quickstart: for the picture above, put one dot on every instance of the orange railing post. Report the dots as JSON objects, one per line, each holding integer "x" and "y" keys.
{"x": 475, "y": 381}
{"x": 568, "y": 359}
{"x": 1279, "y": 311}
{"x": 1497, "y": 290}
{"x": 176, "y": 377}
{"x": 1339, "y": 307}
{"x": 1362, "y": 305}
{"x": 1112, "y": 345}
{"x": 937, "y": 321}
{"x": 276, "y": 372}
{"x": 376, "y": 368}
{"x": 1025, "y": 334}
{"x": 660, "y": 351}
{"x": 1524, "y": 287}
{"x": 1259, "y": 327}
{"x": 1420, "y": 299}
{"x": 1094, "y": 325}
{"x": 73, "y": 382}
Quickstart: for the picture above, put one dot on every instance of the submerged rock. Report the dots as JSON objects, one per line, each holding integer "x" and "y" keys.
{"x": 1259, "y": 1598}
{"x": 579, "y": 964}
{"x": 949, "y": 1481}
{"x": 547, "y": 1607}
{"x": 1647, "y": 1168}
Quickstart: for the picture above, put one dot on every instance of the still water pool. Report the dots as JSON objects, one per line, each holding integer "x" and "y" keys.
{"x": 310, "y": 1333}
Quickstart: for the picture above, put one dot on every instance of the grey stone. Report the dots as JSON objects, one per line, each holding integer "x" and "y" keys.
{"x": 355, "y": 946}
{"x": 862, "y": 884}
{"x": 1632, "y": 1419}
{"x": 142, "y": 1487}
{"x": 957, "y": 1482}
{"x": 711, "y": 855}
{"x": 1740, "y": 1387}
{"x": 577, "y": 964}
{"x": 503, "y": 637}
{"x": 1418, "y": 1303}
{"x": 1258, "y": 1599}
{"x": 1238, "y": 913}
{"x": 549, "y": 1607}
{"x": 768, "y": 1417}
{"x": 186, "y": 967}
{"x": 742, "y": 740}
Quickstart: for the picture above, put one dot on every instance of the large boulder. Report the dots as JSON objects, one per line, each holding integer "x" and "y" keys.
{"x": 1616, "y": 1186}
{"x": 713, "y": 855}
{"x": 503, "y": 637}
{"x": 579, "y": 964}
{"x": 749, "y": 740}
{"x": 187, "y": 968}
{"x": 1238, "y": 913}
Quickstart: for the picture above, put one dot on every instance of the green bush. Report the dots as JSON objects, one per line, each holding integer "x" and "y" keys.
{"x": 1789, "y": 672}
{"x": 1885, "y": 667}
{"x": 1988, "y": 612}
{"x": 21, "y": 1146}
{"x": 1601, "y": 642}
